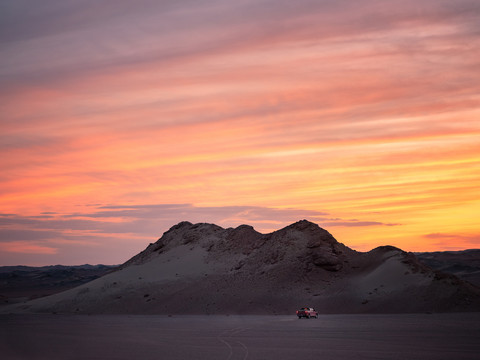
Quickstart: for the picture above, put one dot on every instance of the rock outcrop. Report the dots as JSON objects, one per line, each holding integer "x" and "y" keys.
{"x": 206, "y": 269}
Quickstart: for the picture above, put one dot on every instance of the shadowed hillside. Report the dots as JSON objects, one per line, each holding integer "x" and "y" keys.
{"x": 206, "y": 269}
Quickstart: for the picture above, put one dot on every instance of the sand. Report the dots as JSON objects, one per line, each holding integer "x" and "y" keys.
{"x": 407, "y": 336}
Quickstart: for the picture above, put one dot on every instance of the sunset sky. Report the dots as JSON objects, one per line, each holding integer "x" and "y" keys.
{"x": 121, "y": 118}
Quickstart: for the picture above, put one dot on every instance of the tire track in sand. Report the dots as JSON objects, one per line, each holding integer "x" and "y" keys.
{"x": 237, "y": 349}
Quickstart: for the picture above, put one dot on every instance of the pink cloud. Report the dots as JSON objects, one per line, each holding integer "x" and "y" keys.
{"x": 26, "y": 247}
{"x": 455, "y": 241}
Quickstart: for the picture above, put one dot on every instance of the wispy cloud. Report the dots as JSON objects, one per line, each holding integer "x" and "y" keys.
{"x": 455, "y": 241}
{"x": 355, "y": 223}
{"x": 232, "y": 111}
{"x": 26, "y": 247}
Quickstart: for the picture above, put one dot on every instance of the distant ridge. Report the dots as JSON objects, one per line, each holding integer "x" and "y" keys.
{"x": 20, "y": 283}
{"x": 465, "y": 263}
{"x": 206, "y": 269}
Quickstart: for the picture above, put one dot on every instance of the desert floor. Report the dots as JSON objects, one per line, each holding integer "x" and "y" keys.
{"x": 412, "y": 336}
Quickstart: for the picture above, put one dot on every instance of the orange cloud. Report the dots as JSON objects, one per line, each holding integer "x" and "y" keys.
{"x": 24, "y": 247}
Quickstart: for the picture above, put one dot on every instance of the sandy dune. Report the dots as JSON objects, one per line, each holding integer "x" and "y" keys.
{"x": 205, "y": 269}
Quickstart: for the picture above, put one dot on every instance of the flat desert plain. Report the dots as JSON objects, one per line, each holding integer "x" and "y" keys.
{"x": 407, "y": 336}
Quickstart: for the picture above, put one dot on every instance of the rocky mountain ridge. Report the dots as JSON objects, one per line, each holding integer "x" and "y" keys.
{"x": 206, "y": 269}
{"x": 314, "y": 245}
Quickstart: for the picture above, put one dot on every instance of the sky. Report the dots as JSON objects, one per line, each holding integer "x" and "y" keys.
{"x": 119, "y": 119}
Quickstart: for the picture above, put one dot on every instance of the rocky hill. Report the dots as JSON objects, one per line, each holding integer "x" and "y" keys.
{"x": 206, "y": 269}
